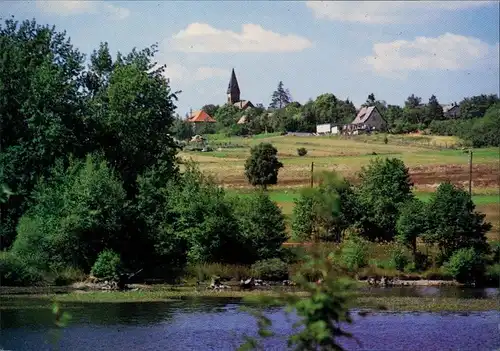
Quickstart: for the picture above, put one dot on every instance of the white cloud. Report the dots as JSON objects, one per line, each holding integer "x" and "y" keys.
{"x": 379, "y": 12}
{"x": 446, "y": 52}
{"x": 75, "y": 7}
{"x": 203, "y": 38}
{"x": 180, "y": 74}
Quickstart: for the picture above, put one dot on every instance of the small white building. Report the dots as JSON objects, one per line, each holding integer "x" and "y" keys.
{"x": 326, "y": 128}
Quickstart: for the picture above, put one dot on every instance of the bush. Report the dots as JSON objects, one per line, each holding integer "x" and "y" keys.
{"x": 302, "y": 151}
{"x": 272, "y": 269}
{"x": 466, "y": 266}
{"x": 75, "y": 214}
{"x": 68, "y": 276}
{"x": 355, "y": 254}
{"x": 493, "y": 274}
{"x": 15, "y": 272}
{"x": 107, "y": 265}
{"x": 400, "y": 258}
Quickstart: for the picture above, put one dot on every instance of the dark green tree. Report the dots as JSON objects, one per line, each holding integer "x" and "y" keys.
{"x": 385, "y": 187}
{"x": 280, "y": 98}
{"x": 476, "y": 106}
{"x": 453, "y": 222}
{"x": 182, "y": 129}
{"x": 412, "y": 223}
{"x": 41, "y": 111}
{"x": 262, "y": 166}
{"x": 434, "y": 111}
{"x": 325, "y": 212}
{"x": 262, "y": 226}
{"x": 211, "y": 109}
{"x": 75, "y": 214}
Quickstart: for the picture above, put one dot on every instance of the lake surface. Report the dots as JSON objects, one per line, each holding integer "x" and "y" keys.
{"x": 220, "y": 325}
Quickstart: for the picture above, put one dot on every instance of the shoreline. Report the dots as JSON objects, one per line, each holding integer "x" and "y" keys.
{"x": 43, "y": 297}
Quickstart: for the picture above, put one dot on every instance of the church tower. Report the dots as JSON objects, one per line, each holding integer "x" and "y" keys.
{"x": 233, "y": 90}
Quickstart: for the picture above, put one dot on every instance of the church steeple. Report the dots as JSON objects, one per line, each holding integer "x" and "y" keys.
{"x": 233, "y": 90}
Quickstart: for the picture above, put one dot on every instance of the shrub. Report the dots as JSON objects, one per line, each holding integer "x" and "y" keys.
{"x": 493, "y": 274}
{"x": 302, "y": 151}
{"x": 385, "y": 139}
{"x": 68, "y": 276}
{"x": 107, "y": 265}
{"x": 272, "y": 269}
{"x": 355, "y": 254}
{"x": 75, "y": 214}
{"x": 400, "y": 258}
{"x": 466, "y": 266}
{"x": 16, "y": 272}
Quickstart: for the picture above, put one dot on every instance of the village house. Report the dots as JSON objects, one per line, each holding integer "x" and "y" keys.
{"x": 199, "y": 119}
{"x": 367, "y": 120}
{"x": 451, "y": 111}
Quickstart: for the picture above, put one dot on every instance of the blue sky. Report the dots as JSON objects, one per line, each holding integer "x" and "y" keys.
{"x": 351, "y": 49}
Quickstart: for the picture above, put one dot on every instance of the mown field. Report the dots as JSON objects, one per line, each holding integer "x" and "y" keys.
{"x": 431, "y": 160}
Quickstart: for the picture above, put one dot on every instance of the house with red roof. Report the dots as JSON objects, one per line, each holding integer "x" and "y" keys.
{"x": 200, "y": 119}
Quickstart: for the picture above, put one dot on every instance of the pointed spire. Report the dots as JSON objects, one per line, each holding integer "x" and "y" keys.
{"x": 233, "y": 90}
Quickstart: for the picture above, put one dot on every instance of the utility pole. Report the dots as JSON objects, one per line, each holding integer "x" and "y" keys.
{"x": 312, "y": 174}
{"x": 470, "y": 173}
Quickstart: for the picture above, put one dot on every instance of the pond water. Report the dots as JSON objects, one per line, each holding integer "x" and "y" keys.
{"x": 220, "y": 325}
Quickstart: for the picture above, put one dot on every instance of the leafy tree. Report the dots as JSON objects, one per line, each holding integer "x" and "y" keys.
{"x": 476, "y": 106}
{"x": 205, "y": 229}
{"x": 324, "y": 212}
{"x": 385, "y": 187}
{"x": 485, "y": 131}
{"x": 211, "y": 109}
{"x": 453, "y": 222}
{"x": 434, "y": 111}
{"x": 75, "y": 214}
{"x": 182, "y": 129}
{"x": 262, "y": 226}
{"x": 134, "y": 129}
{"x": 372, "y": 101}
{"x": 262, "y": 167}
{"x": 413, "y": 102}
{"x": 326, "y": 109}
{"x": 393, "y": 113}
{"x": 412, "y": 223}
{"x": 226, "y": 116}
{"x": 281, "y": 97}
{"x": 41, "y": 110}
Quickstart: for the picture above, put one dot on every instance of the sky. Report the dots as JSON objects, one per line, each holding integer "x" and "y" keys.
{"x": 351, "y": 49}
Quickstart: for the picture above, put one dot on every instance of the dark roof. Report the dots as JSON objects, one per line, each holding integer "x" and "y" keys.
{"x": 233, "y": 84}
{"x": 363, "y": 115}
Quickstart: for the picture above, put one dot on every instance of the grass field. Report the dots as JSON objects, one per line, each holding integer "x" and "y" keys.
{"x": 430, "y": 159}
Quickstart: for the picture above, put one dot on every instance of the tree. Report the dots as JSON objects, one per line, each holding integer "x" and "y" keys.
{"x": 413, "y": 101}
{"x": 412, "y": 223}
{"x": 324, "y": 212}
{"x": 226, "y": 116}
{"x": 385, "y": 187}
{"x": 75, "y": 214}
{"x": 262, "y": 167}
{"x": 453, "y": 222}
{"x": 280, "y": 98}
{"x": 41, "y": 111}
{"x": 485, "y": 131}
{"x": 326, "y": 109}
{"x": 211, "y": 109}
{"x": 182, "y": 129}
{"x": 262, "y": 226}
{"x": 434, "y": 111}
{"x": 372, "y": 101}
{"x": 476, "y": 106}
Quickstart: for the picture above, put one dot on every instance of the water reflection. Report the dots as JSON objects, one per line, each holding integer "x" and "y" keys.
{"x": 433, "y": 291}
